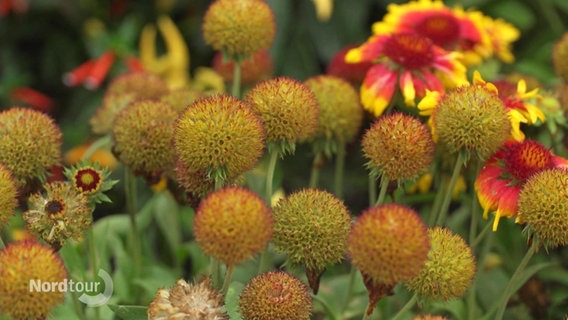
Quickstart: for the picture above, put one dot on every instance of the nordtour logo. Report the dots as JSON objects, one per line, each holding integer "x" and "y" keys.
{"x": 91, "y": 290}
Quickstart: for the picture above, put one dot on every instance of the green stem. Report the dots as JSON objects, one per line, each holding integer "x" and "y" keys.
{"x": 2, "y": 245}
{"x": 329, "y": 311}
{"x": 372, "y": 190}
{"x": 460, "y": 161}
{"x": 365, "y": 316}
{"x": 513, "y": 282}
{"x": 349, "y": 289}
{"x": 406, "y": 307}
{"x": 219, "y": 183}
{"x": 94, "y": 262}
{"x": 473, "y": 244}
{"x": 273, "y": 158}
{"x": 215, "y": 271}
{"x": 93, "y": 147}
{"x": 314, "y": 175}
{"x": 227, "y": 280}
{"x": 339, "y": 170}
{"x": 236, "y": 89}
{"x": 79, "y": 311}
{"x": 383, "y": 191}
{"x": 130, "y": 195}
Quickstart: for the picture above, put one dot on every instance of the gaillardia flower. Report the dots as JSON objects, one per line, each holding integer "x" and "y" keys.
{"x": 239, "y": 28}
{"x": 30, "y": 144}
{"x": 354, "y": 73}
{"x": 275, "y": 295}
{"x": 143, "y": 137}
{"x": 389, "y": 244}
{"x": 469, "y": 118}
{"x": 219, "y": 135}
{"x": 399, "y": 146}
{"x": 500, "y": 180}
{"x": 410, "y": 60}
{"x": 60, "y": 213}
{"x": 449, "y": 269}
{"x": 543, "y": 206}
{"x": 199, "y": 301}
{"x": 311, "y": 226}
{"x": 8, "y": 195}
{"x": 20, "y": 263}
{"x": 91, "y": 180}
{"x": 232, "y": 225}
{"x": 288, "y": 109}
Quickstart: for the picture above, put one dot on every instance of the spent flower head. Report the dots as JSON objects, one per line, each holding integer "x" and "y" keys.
{"x": 239, "y": 28}
{"x": 449, "y": 269}
{"x": 198, "y": 301}
{"x": 275, "y": 295}
{"x": 59, "y": 213}
{"x": 8, "y": 195}
{"x": 288, "y": 109}
{"x": 232, "y": 224}
{"x": 30, "y": 144}
{"x": 20, "y": 263}
{"x": 389, "y": 243}
{"x": 399, "y": 146}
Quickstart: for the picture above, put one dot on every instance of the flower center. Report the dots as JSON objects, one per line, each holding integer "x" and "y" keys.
{"x": 87, "y": 180}
{"x": 527, "y": 158}
{"x": 411, "y": 51}
{"x": 54, "y": 207}
{"x": 442, "y": 29}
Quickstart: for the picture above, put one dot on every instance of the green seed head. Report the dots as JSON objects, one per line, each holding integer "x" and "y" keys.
{"x": 389, "y": 243}
{"x": 275, "y": 295}
{"x": 543, "y": 206}
{"x": 30, "y": 144}
{"x": 311, "y": 227}
{"x": 449, "y": 269}
{"x": 399, "y": 146}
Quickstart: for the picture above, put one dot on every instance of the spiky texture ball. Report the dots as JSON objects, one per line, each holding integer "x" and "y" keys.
{"x": 543, "y": 206}
{"x": 275, "y": 295}
{"x": 239, "y": 28}
{"x": 59, "y": 213}
{"x": 199, "y": 301}
{"x": 8, "y": 195}
{"x": 288, "y": 109}
{"x": 143, "y": 137}
{"x": 473, "y": 119}
{"x": 181, "y": 98}
{"x": 389, "y": 243}
{"x": 311, "y": 227}
{"x": 219, "y": 135}
{"x": 123, "y": 90}
{"x": 341, "y": 113}
{"x": 232, "y": 225}
{"x": 560, "y": 57}
{"x": 399, "y": 146}
{"x": 449, "y": 269}
{"x": 256, "y": 68}
{"x": 30, "y": 144}
{"x": 21, "y": 262}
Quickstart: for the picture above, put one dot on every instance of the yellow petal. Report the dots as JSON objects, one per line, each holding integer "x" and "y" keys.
{"x": 324, "y": 9}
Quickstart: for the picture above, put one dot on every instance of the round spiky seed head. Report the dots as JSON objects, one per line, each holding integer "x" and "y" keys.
{"x": 239, "y": 28}
{"x": 275, "y": 295}
{"x": 181, "y": 98}
{"x": 23, "y": 262}
{"x": 232, "y": 225}
{"x": 341, "y": 113}
{"x": 311, "y": 227}
{"x": 199, "y": 301}
{"x": 449, "y": 269}
{"x": 288, "y": 109}
{"x": 123, "y": 90}
{"x": 219, "y": 135}
{"x": 560, "y": 57}
{"x": 143, "y": 137}
{"x": 473, "y": 119}
{"x": 30, "y": 144}
{"x": 389, "y": 243}
{"x": 60, "y": 213}
{"x": 543, "y": 206}
{"x": 399, "y": 146}
{"x": 8, "y": 195}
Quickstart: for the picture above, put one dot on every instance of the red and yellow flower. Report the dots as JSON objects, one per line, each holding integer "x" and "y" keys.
{"x": 500, "y": 180}
{"x": 413, "y": 61}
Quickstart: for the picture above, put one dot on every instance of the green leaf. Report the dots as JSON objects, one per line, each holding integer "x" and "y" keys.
{"x": 130, "y": 312}
{"x": 232, "y": 300}
{"x": 166, "y": 213}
